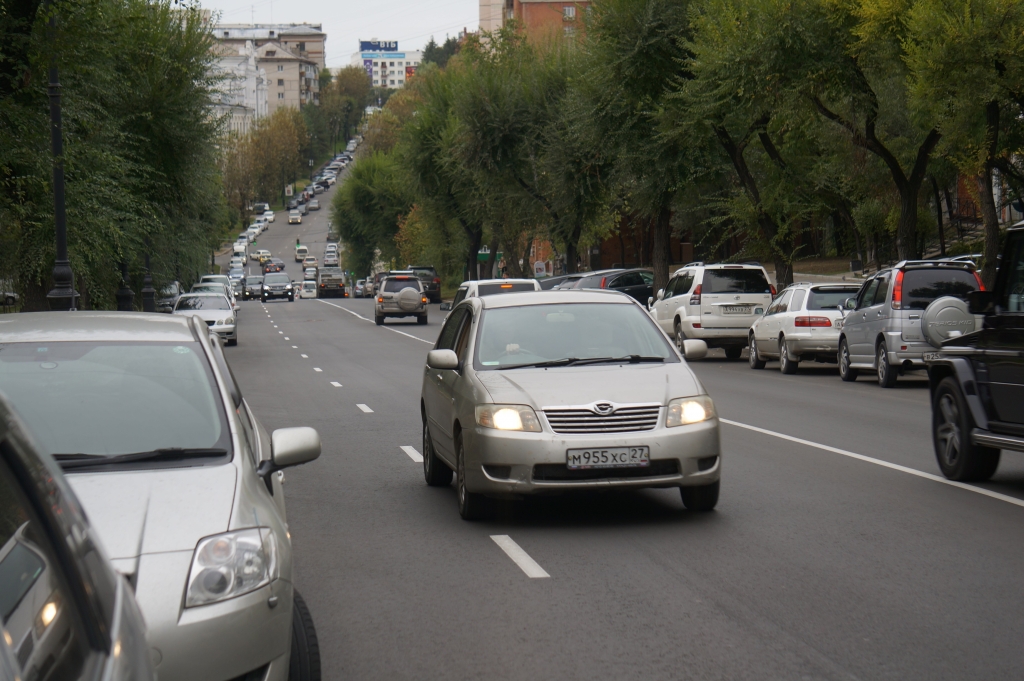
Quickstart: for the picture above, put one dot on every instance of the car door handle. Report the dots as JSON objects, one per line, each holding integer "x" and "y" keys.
{"x": 440, "y": 377}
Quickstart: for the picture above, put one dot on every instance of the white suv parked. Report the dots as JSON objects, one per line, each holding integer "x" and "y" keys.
{"x": 714, "y": 303}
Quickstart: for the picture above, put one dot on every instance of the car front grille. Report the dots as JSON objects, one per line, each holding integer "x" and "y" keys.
{"x": 559, "y": 472}
{"x": 622, "y": 420}
{"x": 209, "y": 322}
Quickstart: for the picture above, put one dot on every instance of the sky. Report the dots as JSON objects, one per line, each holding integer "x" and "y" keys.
{"x": 346, "y": 22}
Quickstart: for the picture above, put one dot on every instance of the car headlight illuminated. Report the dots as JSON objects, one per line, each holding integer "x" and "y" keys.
{"x": 687, "y": 410}
{"x": 507, "y": 417}
{"x": 228, "y": 565}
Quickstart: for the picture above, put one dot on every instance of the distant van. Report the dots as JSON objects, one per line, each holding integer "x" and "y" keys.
{"x": 300, "y": 253}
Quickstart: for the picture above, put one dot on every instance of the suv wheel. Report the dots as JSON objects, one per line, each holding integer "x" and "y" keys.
{"x": 886, "y": 372}
{"x": 378, "y": 320}
{"x": 434, "y": 471}
{"x": 421, "y": 319}
{"x": 786, "y": 363}
{"x": 754, "y": 358}
{"x": 845, "y": 372}
{"x": 304, "y": 664}
{"x": 702, "y": 498}
{"x": 471, "y": 505}
{"x": 959, "y": 458}
{"x": 680, "y": 336}
{"x": 733, "y": 353}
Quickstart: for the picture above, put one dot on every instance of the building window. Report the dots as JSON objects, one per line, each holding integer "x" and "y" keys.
{"x": 280, "y": 95}
{"x": 271, "y": 53}
{"x": 392, "y": 63}
{"x": 302, "y": 47}
{"x": 271, "y": 34}
{"x": 280, "y": 67}
{"x": 226, "y": 34}
{"x": 569, "y": 12}
{"x": 569, "y": 30}
{"x": 280, "y": 82}
{"x": 392, "y": 82}
{"x": 376, "y": 82}
{"x": 400, "y": 81}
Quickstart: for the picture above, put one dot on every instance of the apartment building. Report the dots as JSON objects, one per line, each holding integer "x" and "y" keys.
{"x": 292, "y": 81}
{"x": 385, "y": 65}
{"x": 306, "y": 41}
{"x": 539, "y": 19}
{"x": 241, "y": 96}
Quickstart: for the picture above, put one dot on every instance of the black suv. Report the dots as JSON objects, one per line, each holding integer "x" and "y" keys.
{"x": 431, "y": 281}
{"x": 977, "y": 380}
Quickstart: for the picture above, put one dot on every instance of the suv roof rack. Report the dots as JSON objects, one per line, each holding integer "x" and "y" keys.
{"x": 963, "y": 264}
{"x": 699, "y": 263}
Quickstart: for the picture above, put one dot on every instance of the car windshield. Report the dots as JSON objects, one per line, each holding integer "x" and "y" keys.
{"x": 735, "y": 281}
{"x": 169, "y": 290}
{"x": 921, "y": 287}
{"x": 529, "y": 334}
{"x": 830, "y": 298}
{"x": 424, "y": 274}
{"x": 276, "y": 279}
{"x": 114, "y": 398}
{"x": 396, "y": 285}
{"x": 254, "y": 280}
{"x": 203, "y": 303}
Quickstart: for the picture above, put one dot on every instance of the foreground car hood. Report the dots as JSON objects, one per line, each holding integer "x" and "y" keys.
{"x": 566, "y": 386}
{"x": 153, "y": 511}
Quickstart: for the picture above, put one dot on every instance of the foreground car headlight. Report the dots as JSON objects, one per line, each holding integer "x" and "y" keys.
{"x": 507, "y": 417}
{"x": 686, "y": 410}
{"x": 228, "y": 565}
{"x": 225, "y": 322}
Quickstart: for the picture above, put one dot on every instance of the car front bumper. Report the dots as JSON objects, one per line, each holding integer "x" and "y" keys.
{"x": 294, "y": 221}
{"x": 284, "y": 293}
{"x": 225, "y": 331}
{"x": 215, "y": 642}
{"x": 504, "y": 462}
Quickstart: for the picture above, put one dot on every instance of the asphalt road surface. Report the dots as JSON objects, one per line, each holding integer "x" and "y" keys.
{"x": 836, "y": 550}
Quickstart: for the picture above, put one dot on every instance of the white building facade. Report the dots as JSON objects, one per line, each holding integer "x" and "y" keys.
{"x": 386, "y": 66}
{"x": 242, "y": 92}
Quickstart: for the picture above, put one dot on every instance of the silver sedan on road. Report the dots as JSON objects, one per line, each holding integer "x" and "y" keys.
{"x": 547, "y": 391}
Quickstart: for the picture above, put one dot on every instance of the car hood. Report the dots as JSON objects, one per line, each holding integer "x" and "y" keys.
{"x": 154, "y": 511}
{"x": 572, "y": 386}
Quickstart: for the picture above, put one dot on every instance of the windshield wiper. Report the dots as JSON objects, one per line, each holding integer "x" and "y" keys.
{"x": 565, "y": 361}
{"x": 69, "y": 461}
{"x": 632, "y": 359}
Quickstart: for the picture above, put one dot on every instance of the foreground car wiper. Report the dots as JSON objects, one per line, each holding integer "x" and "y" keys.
{"x": 69, "y": 461}
{"x": 632, "y": 359}
{"x": 565, "y": 361}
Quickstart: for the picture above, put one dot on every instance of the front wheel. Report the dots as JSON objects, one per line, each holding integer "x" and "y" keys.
{"x": 702, "y": 498}
{"x": 786, "y": 364}
{"x": 845, "y": 372}
{"x": 753, "y": 357}
{"x": 959, "y": 458}
{"x": 305, "y": 658}
{"x": 680, "y": 336}
{"x": 886, "y": 372}
{"x": 471, "y": 504}
{"x": 435, "y": 472}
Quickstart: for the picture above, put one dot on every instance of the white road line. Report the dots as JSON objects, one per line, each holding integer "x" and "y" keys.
{"x": 336, "y": 384}
{"x": 282, "y": 332}
{"x": 275, "y": 326}
{"x": 286, "y": 337}
{"x": 413, "y": 454}
{"x": 317, "y": 369}
{"x": 295, "y": 347}
{"x": 878, "y": 462}
{"x": 520, "y": 557}
{"x": 304, "y": 356}
{"x": 408, "y": 335}
{"x": 366, "y": 410}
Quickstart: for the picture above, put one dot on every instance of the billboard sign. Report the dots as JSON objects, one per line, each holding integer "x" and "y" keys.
{"x": 368, "y": 65}
{"x": 378, "y": 46}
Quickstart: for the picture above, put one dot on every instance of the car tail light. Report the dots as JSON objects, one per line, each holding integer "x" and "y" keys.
{"x": 897, "y": 291}
{"x": 772, "y": 289}
{"x": 812, "y": 321}
{"x": 437, "y": 280}
{"x": 423, "y": 299}
{"x": 695, "y": 296}
{"x": 981, "y": 285}
{"x": 696, "y": 326}
{"x": 506, "y": 286}
{"x": 380, "y": 299}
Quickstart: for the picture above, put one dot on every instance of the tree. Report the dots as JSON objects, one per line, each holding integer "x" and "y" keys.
{"x": 440, "y": 54}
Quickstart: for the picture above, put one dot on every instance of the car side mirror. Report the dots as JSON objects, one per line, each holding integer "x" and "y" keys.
{"x": 442, "y": 359}
{"x": 980, "y": 302}
{"x": 291, "y": 447}
{"x": 650, "y": 303}
{"x": 694, "y": 348}
{"x": 661, "y": 294}
{"x": 850, "y": 303}
{"x": 445, "y": 307}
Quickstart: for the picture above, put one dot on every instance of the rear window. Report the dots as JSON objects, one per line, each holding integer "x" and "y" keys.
{"x": 425, "y": 274}
{"x": 396, "y": 285}
{"x": 830, "y": 298}
{"x": 203, "y": 303}
{"x": 593, "y": 281}
{"x": 921, "y": 287}
{"x": 734, "y": 281}
{"x": 491, "y": 289}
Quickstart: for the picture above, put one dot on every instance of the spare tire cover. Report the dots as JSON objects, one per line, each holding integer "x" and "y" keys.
{"x": 946, "y": 318}
{"x": 408, "y": 299}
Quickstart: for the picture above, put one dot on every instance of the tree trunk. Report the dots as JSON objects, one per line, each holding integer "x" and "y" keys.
{"x": 783, "y": 273}
{"x": 938, "y": 216}
{"x": 906, "y": 228}
{"x": 475, "y": 235}
{"x": 493, "y": 255}
{"x": 661, "y": 253}
{"x": 991, "y": 220}
{"x": 570, "y": 257}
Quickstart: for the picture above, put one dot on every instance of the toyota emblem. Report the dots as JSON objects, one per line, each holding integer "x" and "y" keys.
{"x": 603, "y": 408}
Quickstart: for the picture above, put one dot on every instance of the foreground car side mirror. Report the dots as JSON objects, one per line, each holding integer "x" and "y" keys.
{"x": 980, "y": 302}
{"x": 294, "y": 446}
{"x": 849, "y": 304}
{"x": 694, "y": 348}
{"x": 445, "y": 307}
{"x": 442, "y": 359}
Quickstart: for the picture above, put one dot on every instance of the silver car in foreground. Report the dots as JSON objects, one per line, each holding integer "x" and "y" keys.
{"x": 535, "y": 392}
{"x": 178, "y": 478}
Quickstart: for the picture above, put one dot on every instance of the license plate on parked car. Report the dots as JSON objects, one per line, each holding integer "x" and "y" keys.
{"x": 607, "y": 457}
{"x": 735, "y": 309}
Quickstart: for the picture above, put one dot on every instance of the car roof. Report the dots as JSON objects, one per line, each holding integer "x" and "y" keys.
{"x": 497, "y": 281}
{"x": 554, "y": 297}
{"x": 94, "y": 326}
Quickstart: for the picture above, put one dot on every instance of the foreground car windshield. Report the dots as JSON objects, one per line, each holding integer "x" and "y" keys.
{"x": 529, "y": 334}
{"x": 203, "y": 303}
{"x": 107, "y": 399}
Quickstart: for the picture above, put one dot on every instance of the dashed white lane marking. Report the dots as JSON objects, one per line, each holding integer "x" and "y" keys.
{"x": 286, "y": 337}
{"x": 275, "y": 326}
{"x": 878, "y": 462}
{"x": 366, "y": 410}
{"x": 336, "y": 384}
{"x": 295, "y": 347}
{"x": 318, "y": 369}
{"x": 520, "y": 557}
{"x": 413, "y": 454}
{"x": 304, "y": 356}
{"x": 407, "y": 335}
{"x": 282, "y": 332}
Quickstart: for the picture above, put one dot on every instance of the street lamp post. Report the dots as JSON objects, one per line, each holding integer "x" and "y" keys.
{"x": 148, "y": 292}
{"x": 124, "y": 295}
{"x": 310, "y": 170}
{"x": 63, "y": 296}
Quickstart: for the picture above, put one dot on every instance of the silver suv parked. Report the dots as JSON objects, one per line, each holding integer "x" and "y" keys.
{"x": 401, "y": 296}
{"x": 886, "y": 327}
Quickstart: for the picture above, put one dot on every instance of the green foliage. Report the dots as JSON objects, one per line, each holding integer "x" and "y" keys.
{"x": 440, "y": 54}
